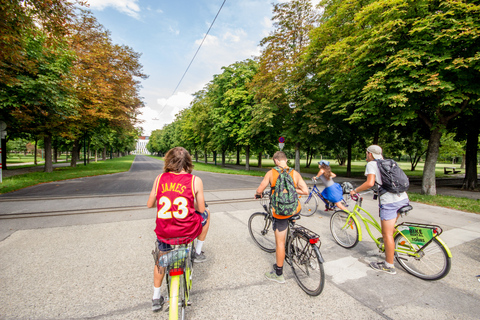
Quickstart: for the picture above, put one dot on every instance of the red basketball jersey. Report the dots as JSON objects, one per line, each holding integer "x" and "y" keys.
{"x": 176, "y": 217}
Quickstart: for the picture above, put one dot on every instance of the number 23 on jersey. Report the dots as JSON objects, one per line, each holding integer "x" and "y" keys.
{"x": 166, "y": 213}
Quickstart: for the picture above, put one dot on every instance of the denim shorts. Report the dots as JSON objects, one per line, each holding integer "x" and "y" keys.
{"x": 204, "y": 216}
{"x": 388, "y": 211}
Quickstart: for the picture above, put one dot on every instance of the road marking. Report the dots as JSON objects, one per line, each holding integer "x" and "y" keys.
{"x": 458, "y": 236}
{"x": 344, "y": 269}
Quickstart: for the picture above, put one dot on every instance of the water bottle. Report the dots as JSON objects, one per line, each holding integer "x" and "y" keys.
{"x": 172, "y": 256}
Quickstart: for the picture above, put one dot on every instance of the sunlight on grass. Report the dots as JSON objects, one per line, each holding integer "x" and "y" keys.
{"x": 63, "y": 173}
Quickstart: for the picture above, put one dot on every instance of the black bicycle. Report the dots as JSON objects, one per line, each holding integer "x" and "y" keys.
{"x": 302, "y": 250}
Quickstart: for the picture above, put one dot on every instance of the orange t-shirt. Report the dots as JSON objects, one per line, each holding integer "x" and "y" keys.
{"x": 275, "y": 175}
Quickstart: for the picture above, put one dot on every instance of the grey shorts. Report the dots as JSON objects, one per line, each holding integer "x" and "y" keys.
{"x": 388, "y": 211}
{"x": 280, "y": 224}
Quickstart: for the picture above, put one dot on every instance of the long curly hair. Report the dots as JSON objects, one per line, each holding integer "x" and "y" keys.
{"x": 327, "y": 170}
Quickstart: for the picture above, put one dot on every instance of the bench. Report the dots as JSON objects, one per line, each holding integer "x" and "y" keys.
{"x": 447, "y": 170}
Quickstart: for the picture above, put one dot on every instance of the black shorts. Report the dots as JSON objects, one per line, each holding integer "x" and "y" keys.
{"x": 280, "y": 224}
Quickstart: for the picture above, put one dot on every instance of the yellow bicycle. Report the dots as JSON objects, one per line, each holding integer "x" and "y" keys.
{"x": 418, "y": 247}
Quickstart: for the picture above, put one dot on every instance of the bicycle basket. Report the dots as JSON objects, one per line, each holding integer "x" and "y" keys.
{"x": 346, "y": 187}
{"x": 171, "y": 253}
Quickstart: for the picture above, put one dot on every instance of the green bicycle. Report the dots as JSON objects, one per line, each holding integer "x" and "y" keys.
{"x": 418, "y": 247}
{"x": 177, "y": 262}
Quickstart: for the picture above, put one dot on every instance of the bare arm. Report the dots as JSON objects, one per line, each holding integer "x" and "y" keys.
{"x": 199, "y": 196}
{"x": 152, "y": 199}
{"x": 320, "y": 172}
{"x": 265, "y": 182}
{"x": 366, "y": 185}
{"x": 301, "y": 185}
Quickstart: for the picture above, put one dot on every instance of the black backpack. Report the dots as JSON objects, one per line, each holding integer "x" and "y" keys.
{"x": 394, "y": 180}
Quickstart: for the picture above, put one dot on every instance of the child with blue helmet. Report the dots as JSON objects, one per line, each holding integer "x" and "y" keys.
{"x": 333, "y": 191}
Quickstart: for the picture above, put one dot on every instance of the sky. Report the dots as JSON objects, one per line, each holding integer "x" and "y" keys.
{"x": 168, "y": 33}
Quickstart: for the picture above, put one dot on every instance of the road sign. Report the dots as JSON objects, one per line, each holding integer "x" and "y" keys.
{"x": 281, "y": 140}
{"x": 3, "y": 126}
{"x": 281, "y": 145}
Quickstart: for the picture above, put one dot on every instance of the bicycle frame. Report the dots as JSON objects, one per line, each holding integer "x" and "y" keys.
{"x": 357, "y": 209}
{"x": 177, "y": 272}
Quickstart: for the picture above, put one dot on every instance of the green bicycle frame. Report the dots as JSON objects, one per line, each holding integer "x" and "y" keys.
{"x": 357, "y": 209}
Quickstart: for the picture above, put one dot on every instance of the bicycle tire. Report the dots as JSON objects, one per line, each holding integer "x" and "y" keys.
{"x": 345, "y": 234}
{"x": 309, "y": 204}
{"x": 432, "y": 264}
{"x": 182, "y": 298}
{"x": 261, "y": 231}
{"x": 306, "y": 264}
{"x": 173, "y": 299}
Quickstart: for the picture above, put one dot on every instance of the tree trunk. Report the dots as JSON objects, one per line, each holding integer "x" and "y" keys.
{"x": 196, "y": 155}
{"x": 215, "y": 157}
{"x": 223, "y": 158}
{"x": 104, "y": 153}
{"x": 349, "y": 158}
{"x": 3, "y": 143}
{"x": 96, "y": 155}
{"x": 205, "y": 156}
{"x": 35, "y": 152}
{"x": 247, "y": 158}
{"x": 428, "y": 180}
{"x": 47, "y": 141}
{"x": 470, "y": 182}
{"x": 238, "y": 155}
{"x": 260, "y": 159}
{"x": 75, "y": 150}
{"x": 297, "y": 157}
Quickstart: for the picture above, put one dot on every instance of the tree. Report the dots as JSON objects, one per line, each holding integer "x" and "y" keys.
{"x": 280, "y": 106}
{"x": 427, "y": 62}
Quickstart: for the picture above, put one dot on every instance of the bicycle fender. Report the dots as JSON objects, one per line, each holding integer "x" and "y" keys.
{"x": 321, "y": 257}
{"x": 449, "y": 253}
{"x": 358, "y": 228}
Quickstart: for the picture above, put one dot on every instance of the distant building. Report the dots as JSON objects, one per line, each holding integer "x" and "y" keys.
{"x": 141, "y": 145}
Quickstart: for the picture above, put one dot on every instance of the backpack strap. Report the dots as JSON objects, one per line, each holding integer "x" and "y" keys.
{"x": 276, "y": 172}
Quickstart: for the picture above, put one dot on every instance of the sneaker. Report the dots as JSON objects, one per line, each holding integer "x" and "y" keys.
{"x": 272, "y": 275}
{"x": 381, "y": 266}
{"x": 157, "y": 304}
{"x": 199, "y": 257}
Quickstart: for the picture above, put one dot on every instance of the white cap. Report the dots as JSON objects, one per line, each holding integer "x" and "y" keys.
{"x": 376, "y": 151}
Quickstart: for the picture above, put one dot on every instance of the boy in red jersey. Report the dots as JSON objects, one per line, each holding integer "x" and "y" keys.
{"x": 180, "y": 201}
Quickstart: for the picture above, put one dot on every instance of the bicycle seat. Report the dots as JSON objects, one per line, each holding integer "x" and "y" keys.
{"x": 294, "y": 217}
{"x": 404, "y": 210}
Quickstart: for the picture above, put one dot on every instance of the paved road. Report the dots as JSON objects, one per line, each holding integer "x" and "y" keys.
{"x": 97, "y": 265}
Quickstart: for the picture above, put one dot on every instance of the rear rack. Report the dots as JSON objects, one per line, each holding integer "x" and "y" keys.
{"x": 309, "y": 234}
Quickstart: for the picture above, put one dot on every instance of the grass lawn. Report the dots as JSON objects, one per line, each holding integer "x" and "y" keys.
{"x": 63, "y": 173}
{"x": 123, "y": 164}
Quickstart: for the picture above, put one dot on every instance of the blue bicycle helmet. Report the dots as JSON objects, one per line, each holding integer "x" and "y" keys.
{"x": 325, "y": 162}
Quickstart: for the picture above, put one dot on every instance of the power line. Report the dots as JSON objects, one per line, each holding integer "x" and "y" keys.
{"x": 211, "y": 25}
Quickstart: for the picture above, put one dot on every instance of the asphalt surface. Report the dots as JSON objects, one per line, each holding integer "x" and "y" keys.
{"x": 81, "y": 250}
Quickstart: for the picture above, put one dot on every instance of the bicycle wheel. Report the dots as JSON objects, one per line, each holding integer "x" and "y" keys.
{"x": 344, "y": 229}
{"x": 309, "y": 204}
{"x": 261, "y": 230}
{"x": 174, "y": 299}
{"x": 432, "y": 263}
{"x": 306, "y": 264}
{"x": 182, "y": 303}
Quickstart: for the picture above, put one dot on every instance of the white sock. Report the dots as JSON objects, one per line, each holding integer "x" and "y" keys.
{"x": 198, "y": 248}
{"x": 389, "y": 265}
{"x": 157, "y": 293}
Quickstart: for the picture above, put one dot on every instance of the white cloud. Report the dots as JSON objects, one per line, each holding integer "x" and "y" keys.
{"x": 174, "y": 31}
{"x": 129, "y": 7}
